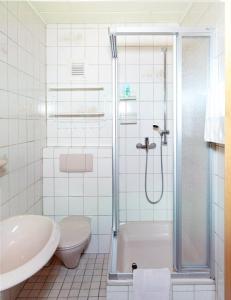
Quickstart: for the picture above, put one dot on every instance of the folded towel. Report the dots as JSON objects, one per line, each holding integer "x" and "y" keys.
{"x": 151, "y": 284}
{"x": 76, "y": 163}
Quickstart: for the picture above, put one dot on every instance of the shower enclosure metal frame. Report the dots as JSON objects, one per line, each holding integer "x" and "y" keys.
{"x": 177, "y": 33}
{"x": 209, "y": 269}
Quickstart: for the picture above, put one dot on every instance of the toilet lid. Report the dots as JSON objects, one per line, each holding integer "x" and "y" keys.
{"x": 74, "y": 230}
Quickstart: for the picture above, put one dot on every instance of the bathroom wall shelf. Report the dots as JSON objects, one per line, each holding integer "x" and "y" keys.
{"x": 132, "y": 98}
{"x": 77, "y": 89}
{"x": 79, "y": 115}
{"x": 128, "y": 123}
{"x": 128, "y": 110}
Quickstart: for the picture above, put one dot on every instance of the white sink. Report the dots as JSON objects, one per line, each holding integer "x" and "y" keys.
{"x": 27, "y": 243}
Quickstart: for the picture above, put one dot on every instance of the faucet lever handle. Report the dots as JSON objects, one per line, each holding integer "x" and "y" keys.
{"x": 139, "y": 146}
{"x": 152, "y": 146}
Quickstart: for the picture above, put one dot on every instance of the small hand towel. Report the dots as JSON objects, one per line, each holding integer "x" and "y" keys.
{"x": 151, "y": 284}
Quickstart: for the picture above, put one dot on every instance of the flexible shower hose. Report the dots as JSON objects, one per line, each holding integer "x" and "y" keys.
{"x": 162, "y": 173}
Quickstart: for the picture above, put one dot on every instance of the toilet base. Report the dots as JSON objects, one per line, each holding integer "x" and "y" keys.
{"x": 70, "y": 257}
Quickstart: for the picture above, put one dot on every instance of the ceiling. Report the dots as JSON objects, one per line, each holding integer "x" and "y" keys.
{"x": 106, "y": 11}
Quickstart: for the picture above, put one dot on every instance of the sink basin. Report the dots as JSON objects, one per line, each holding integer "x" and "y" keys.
{"x": 27, "y": 243}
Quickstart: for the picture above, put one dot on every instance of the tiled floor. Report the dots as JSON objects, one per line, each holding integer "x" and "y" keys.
{"x": 86, "y": 282}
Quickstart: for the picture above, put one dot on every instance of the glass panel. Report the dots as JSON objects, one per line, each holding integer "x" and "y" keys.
{"x": 141, "y": 104}
{"x": 143, "y": 62}
{"x": 194, "y": 156}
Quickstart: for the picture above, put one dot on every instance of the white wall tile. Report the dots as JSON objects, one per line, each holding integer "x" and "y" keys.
{"x": 146, "y": 56}
{"x": 78, "y": 37}
{"x": 117, "y": 295}
{"x": 105, "y": 167}
{"x": 104, "y": 186}
{"x": 204, "y": 295}
{"x": 105, "y": 224}
{"x": 61, "y": 206}
{"x": 3, "y": 17}
{"x": 132, "y": 73}
{"x": 48, "y": 168}
{"x": 183, "y": 296}
{"x": 90, "y": 205}
{"x": 76, "y": 205}
{"x": 90, "y": 187}
{"x": 57, "y": 172}
{"x": 180, "y": 291}
{"x": 61, "y": 187}
{"x": 75, "y": 187}
{"x": 20, "y": 108}
{"x": 91, "y": 37}
{"x": 48, "y": 187}
{"x": 48, "y": 206}
{"x": 104, "y": 206}
{"x": 52, "y": 55}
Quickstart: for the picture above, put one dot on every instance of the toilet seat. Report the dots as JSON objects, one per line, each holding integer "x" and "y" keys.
{"x": 74, "y": 231}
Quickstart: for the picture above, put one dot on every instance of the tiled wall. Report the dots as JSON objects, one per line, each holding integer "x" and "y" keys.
{"x": 218, "y": 157}
{"x": 87, "y": 45}
{"x": 87, "y": 194}
{"x": 141, "y": 65}
{"x": 22, "y": 108}
{"x": 80, "y": 193}
{"x": 179, "y": 292}
{"x": 218, "y": 171}
{"x": 218, "y": 205}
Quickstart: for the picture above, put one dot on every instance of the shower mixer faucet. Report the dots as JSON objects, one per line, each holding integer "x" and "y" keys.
{"x": 147, "y": 146}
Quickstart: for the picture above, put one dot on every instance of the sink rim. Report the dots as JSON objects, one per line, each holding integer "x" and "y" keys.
{"x": 33, "y": 265}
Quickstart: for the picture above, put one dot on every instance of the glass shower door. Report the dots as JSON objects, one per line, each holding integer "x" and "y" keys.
{"x": 192, "y": 197}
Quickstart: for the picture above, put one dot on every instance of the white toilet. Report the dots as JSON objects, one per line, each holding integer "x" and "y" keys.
{"x": 75, "y": 234}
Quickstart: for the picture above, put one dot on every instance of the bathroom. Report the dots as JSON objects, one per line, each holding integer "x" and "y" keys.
{"x": 112, "y": 118}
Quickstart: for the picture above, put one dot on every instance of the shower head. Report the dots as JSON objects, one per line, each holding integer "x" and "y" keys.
{"x": 156, "y": 128}
{"x": 160, "y": 131}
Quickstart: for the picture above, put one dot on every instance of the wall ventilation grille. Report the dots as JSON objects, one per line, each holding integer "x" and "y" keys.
{"x": 77, "y": 69}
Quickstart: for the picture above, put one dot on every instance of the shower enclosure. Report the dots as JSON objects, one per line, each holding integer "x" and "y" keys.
{"x": 169, "y": 91}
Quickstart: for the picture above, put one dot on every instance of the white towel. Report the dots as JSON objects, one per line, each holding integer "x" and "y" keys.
{"x": 151, "y": 284}
{"x": 215, "y": 114}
